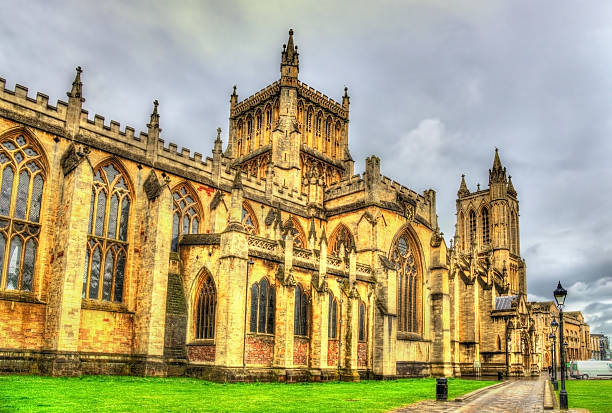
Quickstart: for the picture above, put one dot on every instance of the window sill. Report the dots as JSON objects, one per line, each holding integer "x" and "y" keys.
{"x": 250, "y": 333}
{"x": 88, "y": 304}
{"x": 202, "y": 342}
{"x": 410, "y": 336}
{"x": 20, "y": 296}
{"x": 302, "y": 337}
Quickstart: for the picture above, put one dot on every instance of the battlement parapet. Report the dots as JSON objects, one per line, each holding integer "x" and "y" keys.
{"x": 254, "y": 100}
{"x": 322, "y": 100}
{"x": 38, "y": 108}
{"x": 396, "y": 186}
{"x": 345, "y": 187}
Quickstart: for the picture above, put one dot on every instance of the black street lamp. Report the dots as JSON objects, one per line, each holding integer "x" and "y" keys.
{"x": 509, "y": 326}
{"x": 559, "y": 295}
{"x": 553, "y": 336}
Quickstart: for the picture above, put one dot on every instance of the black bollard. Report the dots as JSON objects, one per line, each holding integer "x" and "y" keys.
{"x": 442, "y": 389}
{"x": 500, "y": 375}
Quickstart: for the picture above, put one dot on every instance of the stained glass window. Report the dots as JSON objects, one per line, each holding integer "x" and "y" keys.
{"x": 262, "y": 307}
{"x": 300, "y": 315}
{"x": 206, "y": 302}
{"x": 186, "y": 217}
{"x": 404, "y": 256}
{"x": 485, "y": 226}
{"x": 332, "y": 326}
{"x": 362, "y": 322}
{"x": 107, "y": 241}
{"x": 21, "y": 187}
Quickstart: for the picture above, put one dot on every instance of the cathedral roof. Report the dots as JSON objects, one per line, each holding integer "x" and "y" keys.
{"x": 505, "y": 302}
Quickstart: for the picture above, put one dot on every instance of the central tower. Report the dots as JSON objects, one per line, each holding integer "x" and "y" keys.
{"x": 288, "y": 134}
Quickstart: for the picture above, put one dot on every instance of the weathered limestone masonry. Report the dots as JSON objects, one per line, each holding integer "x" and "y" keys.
{"x": 271, "y": 260}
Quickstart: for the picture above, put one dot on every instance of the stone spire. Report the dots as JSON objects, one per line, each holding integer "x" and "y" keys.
{"x": 511, "y": 190}
{"x": 497, "y": 174}
{"x": 237, "y": 181}
{"x": 218, "y": 148}
{"x": 463, "y": 189}
{"x": 346, "y": 99}
{"x": 290, "y": 62}
{"x": 153, "y": 134}
{"x": 75, "y": 105}
{"x": 290, "y": 56}
{"x": 77, "y": 86}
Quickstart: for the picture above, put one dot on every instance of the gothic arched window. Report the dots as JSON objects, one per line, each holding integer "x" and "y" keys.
{"x": 405, "y": 257}
{"x": 205, "y": 305}
{"x": 341, "y": 236}
{"x": 22, "y": 180}
{"x": 300, "y": 316}
{"x": 486, "y": 239}
{"x": 105, "y": 260}
{"x": 472, "y": 226}
{"x": 262, "y": 307}
{"x": 460, "y": 230}
{"x": 332, "y": 327}
{"x": 249, "y": 222}
{"x": 186, "y": 217}
{"x": 514, "y": 237}
{"x": 362, "y": 322}
{"x": 299, "y": 238}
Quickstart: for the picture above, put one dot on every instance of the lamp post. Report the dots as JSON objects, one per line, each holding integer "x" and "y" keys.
{"x": 509, "y": 327}
{"x": 559, "y": 295}
{"x": 553, "y": 336}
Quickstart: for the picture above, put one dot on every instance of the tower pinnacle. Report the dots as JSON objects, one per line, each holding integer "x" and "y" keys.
{"x": 497, "y": 174}
{"x": 290, "y": 62}
{"x": 463, "y": 189}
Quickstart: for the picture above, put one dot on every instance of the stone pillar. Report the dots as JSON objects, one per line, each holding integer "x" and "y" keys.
{"x": 231, "y": 292}
{"x": 385, "y": 322}
{"x": 283, "y": 340}
{"x": 441, "y": 364}
{"x": 150, "y": 316}
{"x": 349, "y": 372}
{"x": 66, "y": 279}
{"x": 320, "y": 324}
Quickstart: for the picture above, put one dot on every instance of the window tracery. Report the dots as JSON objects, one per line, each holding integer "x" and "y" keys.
{"x": 341, "y": 236}
{"x": 486, "y": 239}
{"x": 186, "y": 216}
{"x": 105, "y": 260}
{"x": 249, "y": 222}
{"x": 299, "y": 238}
{"x": 405, "y": 258}
{"x": 362, "y": 322}
{"x": 21, "y": 188}
{"x": 300, "y": 316}
{"x": 472, "y": 226}
{"x": 332, "y": 329}
{"x": 262, "y": 307}
{"x": 206, "y": 303}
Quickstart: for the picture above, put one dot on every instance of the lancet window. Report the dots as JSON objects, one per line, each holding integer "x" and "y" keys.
{"x": 107, "y": 242}
{"x": 205, "y": 305}
{"x": 262, "y": 307}
{"x": 405, "y": 258}
{"x": 186, "y": 216}
{"x": 300, "y": 316}
{"x": 486, "y": 238}
{"x": 472, "y": 226}
{"x": 22, "y": 180}
{"x": 332, "y": 326}
{"x": 362, "y": 322}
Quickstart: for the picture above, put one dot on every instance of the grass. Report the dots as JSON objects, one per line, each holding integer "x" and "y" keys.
{"x": 130, "y": 394}
{"x": 595, "y": 395}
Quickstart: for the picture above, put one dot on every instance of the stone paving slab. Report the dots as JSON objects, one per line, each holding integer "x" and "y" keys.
{"x": 516, "y": 397}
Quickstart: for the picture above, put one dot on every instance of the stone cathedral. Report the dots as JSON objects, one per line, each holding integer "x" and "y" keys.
{"x": 269, "y": 260}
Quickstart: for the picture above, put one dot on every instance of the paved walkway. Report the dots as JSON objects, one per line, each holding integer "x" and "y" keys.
{"x": 516, "y": 397}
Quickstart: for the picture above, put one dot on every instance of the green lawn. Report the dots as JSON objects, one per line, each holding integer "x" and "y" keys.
{"x": 595, "y": 395}
{"x": 130, "y": 394}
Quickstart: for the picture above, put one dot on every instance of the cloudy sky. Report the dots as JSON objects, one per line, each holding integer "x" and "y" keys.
{"x": 434, "y": 89}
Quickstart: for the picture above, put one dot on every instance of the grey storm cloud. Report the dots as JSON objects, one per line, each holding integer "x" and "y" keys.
{"x": 435, "y": 86}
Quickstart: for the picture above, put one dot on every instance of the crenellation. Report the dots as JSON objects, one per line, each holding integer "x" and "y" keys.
{"x": 21, "y": 91}
{"x": 197, "y": 157}
{"x": 99, "y": 121}
{"x": 2, "y": 85}
{"x": 172, "y": 148}
{"x": 185, "y": 152}
{"x": 114, "y": 126}
{"x": 42, "y": 100}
